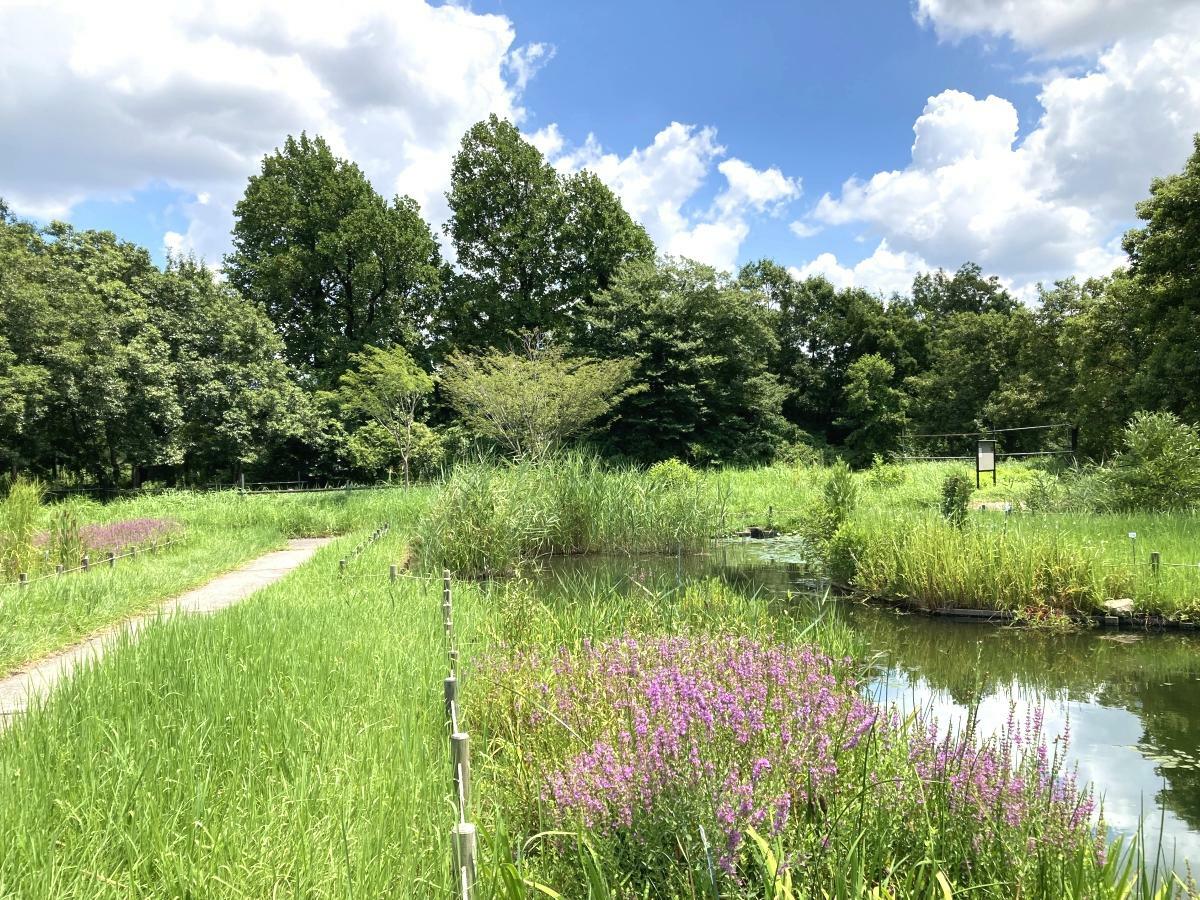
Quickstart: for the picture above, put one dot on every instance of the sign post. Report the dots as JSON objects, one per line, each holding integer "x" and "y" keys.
{"x": 985, "y": 460}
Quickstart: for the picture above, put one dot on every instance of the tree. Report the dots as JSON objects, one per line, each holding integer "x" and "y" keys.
{"x": 388, "y": 387}
{"x": 237, "y": 395}
{"x": 335, "y": 265}
{"x": 874, "y": 408}
{"x": 530, "y": 403}
{"x": 936, "y": 295}
{"x": 1164, "y": 266}
{"x": 700, "y": 343}
{"x": 531, "y": 245}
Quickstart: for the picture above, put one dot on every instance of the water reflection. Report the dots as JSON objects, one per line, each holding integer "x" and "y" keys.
{"x": 1132, "y": 701}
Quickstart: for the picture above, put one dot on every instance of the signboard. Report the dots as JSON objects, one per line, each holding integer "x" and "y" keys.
{"x": 985, "y": 460}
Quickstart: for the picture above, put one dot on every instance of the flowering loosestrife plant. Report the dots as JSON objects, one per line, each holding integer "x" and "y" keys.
{"x": 117, "y": 536}
{"x": 644, "y": 742}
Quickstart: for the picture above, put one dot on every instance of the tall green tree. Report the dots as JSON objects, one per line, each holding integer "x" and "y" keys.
{"x": 388, "y": 387}
{"x": 875, "y": 409}
{"x": 700, "y": 344}
{"x": 531, "y": 245}
{"x": 335, "y": 265}
{"x": 1164, "y": 265}
{"x": 238, "y": 399}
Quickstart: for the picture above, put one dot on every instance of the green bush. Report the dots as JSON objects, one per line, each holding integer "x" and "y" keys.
{"x": 956, "y": 495}
{"x": 1159, "y": 467}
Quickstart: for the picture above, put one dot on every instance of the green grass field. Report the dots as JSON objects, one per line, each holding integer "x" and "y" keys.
{"x": 296, "y": 745}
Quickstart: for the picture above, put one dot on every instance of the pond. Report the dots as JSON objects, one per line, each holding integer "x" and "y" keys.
{"x": 1130, "y": 700}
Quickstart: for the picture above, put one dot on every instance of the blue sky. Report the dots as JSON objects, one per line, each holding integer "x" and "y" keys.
{"x": 864, "y": 141}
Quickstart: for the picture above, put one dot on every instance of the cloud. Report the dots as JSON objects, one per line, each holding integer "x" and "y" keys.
{"x": 1059, "y": 27}
{"x": 802, "y": 229}
{"x": 883, "y": 272}
{"x": 661, "y": 184}
{"x": 1048, "y": 206}
{"x": 102, "y": 100}
{"x": 527, "y": 61}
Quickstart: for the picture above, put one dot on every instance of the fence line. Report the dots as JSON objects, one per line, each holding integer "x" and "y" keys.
{"x": 86, "y": 564}
{"x": 463, "y": 840}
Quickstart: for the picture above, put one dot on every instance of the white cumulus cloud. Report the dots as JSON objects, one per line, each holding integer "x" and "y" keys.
{"x": 883, "y": 272}
{"x": 661, "y": 184}
{"x": 1055, "y": 202}
{"x": 101, "y": 100}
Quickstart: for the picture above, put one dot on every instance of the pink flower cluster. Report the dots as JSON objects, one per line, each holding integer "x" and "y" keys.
{"x": 117, "y": 536}
{"x": 739, "y": 733}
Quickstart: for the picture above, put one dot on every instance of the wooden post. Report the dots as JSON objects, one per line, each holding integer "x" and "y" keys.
{"x": 393, "y": 572}
{"x": 58, "y": 570}
{"x": 112, "y": 559}
{"x": 1155, "y": 562}
{"x": 242, "y": 482}
{"x": 133, "y": 551}
{"x": 450, "y": 690}
{"x": 85, "y": 564}
{"x": 23, "y": 579}
{"x": 154, "y": 546}
{"x": 342, "y": 566}
{"x": 452, "y": 655}
{"x": 460, "y": 766}
{"x": 463, "y": 838}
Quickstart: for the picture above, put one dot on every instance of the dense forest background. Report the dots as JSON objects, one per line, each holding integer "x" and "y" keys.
{"x": 117, "y": 372}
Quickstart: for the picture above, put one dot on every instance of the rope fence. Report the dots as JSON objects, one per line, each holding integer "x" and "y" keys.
{"x": 86, "y": 564}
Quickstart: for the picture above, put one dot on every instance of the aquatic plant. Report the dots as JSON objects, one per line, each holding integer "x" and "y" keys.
{"x": 652, "y": 743}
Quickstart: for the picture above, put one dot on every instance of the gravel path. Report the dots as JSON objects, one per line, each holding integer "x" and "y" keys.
{"x": 37, "y": 678}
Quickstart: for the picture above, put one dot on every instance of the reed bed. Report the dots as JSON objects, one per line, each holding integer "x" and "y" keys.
{"x": 489, "y": 520}
{"x": 1029, "y": 562}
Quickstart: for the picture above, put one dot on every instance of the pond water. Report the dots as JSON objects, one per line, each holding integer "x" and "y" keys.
{"x": 1131, "y": 700}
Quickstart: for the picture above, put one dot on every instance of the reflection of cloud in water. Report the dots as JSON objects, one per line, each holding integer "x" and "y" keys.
{"x": 1103, "y": 745}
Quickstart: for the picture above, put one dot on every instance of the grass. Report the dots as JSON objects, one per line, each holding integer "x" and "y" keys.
{"x": 221, "y": 532}
{"x": 292, "y": 746}
{"x": 496, "y": 521}
{"x": 295, "y": 745}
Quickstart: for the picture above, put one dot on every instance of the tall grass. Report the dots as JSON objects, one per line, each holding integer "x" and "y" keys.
{"x": 20, "y": 516}
{"x": 1025, "y": 562}
{"x": 221, "y": 531}
{"x": 493, "y": 521}
{"x": 292, "y": 746}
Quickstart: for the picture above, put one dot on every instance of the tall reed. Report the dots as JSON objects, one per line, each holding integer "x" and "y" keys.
{"x": 491, "y": 520}
{"x": 20, "y": 514}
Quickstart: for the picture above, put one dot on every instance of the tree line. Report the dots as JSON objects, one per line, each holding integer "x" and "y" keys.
{"x": 339, "y": 339}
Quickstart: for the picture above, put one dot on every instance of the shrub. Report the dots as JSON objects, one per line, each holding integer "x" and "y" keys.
{"x": 1159, "y": 468}
{"x": 844, "y": 549}
{"x": 956, "y": 495}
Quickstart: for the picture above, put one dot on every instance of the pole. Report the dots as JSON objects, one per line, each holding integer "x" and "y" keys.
{"x": 460, "y": 762}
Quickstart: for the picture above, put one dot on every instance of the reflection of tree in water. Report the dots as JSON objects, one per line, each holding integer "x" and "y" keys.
{"x": 1170, "y": 717}
{"x": 1151, "y": 676}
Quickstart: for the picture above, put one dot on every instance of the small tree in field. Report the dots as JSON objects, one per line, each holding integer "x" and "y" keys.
{"x": 530, "y": 403}
{"x": 387, "y": 387}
